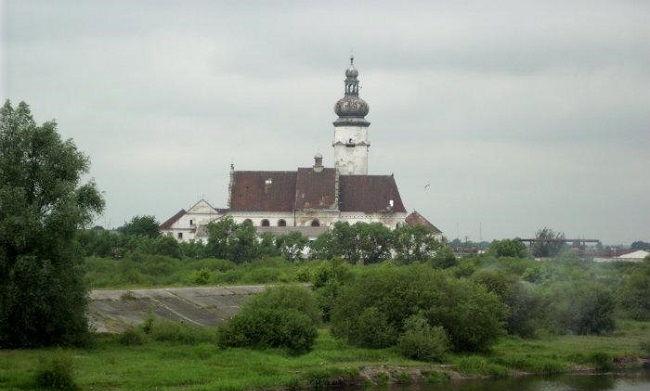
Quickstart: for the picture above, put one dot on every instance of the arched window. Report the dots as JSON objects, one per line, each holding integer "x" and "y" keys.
{"x": 315, "y": 223}
{"x": 282, "y": 223}
{"x": 265, "y": 223}
{"x": 248, "y": 221}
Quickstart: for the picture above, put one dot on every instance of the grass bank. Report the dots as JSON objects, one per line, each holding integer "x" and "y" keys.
{"x": 179, "y": 357}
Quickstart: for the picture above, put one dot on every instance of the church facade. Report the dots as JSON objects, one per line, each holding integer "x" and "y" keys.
{"x": 308, "y": 199}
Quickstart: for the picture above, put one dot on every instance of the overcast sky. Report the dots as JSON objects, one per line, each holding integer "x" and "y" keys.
{"x": 498, "y": 118}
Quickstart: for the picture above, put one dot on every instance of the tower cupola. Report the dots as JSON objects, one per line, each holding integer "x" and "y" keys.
{"x": 351, "y": 109}
{"x": 351, "y": 128}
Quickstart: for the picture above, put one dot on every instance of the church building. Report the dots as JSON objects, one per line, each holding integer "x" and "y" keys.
{"x": 308, "y": 199}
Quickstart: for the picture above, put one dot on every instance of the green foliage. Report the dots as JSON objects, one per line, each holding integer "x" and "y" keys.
{"x": 444, "y": 258}
{"x": 269, "y": 328}
{"x": 603, "y": 361}
{"x": 287, "y": 297}
{"x": 372, "y": 329}
{"x": 420, "y": 341}
{"x": 292, "y": 245}
{"x": 508, "y": 248}
{"x": 522, "y": 304}
{"x": 42, "y": 204}
{"x": 359, "y": 243}
{"x": 56, "y": 373}
{"x": 471, "y": 316}
{"x": 645, "y": 347}
{"x": 374, "y": 242}
{"x": 330, "y": 377}
{"x": 327, "y": 280}
{"x": 414, "y": 243}
{"x": 141, "y": 226}
{"x": 200, "y": 277}
{"x": 280, "y": 317}
{"x": 582, "y": 307}
{"x": 634, "y": 294}
{"x": 548, "y": 243}
{"x": 477, "y": 365}
{"x": 229, "y": 240}
{"x": 178, "y": 332}
{"x": 132, "y": 337}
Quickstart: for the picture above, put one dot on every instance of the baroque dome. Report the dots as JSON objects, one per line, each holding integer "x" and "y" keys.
{"x": 351, "y": 109}
{"x": 351, "y": 106}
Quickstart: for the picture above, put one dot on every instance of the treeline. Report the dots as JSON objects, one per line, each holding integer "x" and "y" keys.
{"x": 379, "y": 288}
{"x": 358, "y": 243}
{"x": 427, "y": 312}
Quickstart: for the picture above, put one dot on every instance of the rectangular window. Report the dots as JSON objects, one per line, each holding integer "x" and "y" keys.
{"x": 180, "y": 235}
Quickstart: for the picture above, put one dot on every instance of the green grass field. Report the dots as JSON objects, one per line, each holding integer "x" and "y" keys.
{"x": 165, "y": 361}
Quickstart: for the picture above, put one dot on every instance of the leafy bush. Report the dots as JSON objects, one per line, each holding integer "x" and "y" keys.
{"x": 372, "y": 330}
{"x": 178, "y": 332}
{"x": 580, "y": 307}
{"x": 286, "y": 297}
{"x": 634, "y": 294}
{"x": 523, "y": 305}
{"x": 422, "y": 342}
{"x": 132, "y": 337}
{"x": 269, "y": 328}
{"x": 472, "y": 317}
{"x": 280, "y": 317}
{"x": 200, "y": 277}
{"x": 56, "y": 373}
{"x": 508, "y": 248}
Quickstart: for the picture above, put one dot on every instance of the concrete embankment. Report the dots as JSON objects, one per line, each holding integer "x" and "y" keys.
{"x": 116, "y": 310}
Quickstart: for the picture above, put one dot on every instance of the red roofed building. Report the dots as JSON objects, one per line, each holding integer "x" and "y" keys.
{"x": 310, "y": 199}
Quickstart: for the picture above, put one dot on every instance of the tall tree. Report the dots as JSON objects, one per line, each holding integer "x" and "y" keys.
{"x": 142, "y": 225}
{"x": 229, "y": 240}
{"x": 43, "y": 299}
{"x": 414, "y": 243}
{"x": 548, "y": 243}
{"x": 292, "y": 245}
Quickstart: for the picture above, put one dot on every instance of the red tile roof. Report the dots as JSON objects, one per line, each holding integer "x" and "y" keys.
{"x": 271, "y": 191}
{"x": 287, "y": 191}
{"x": 417, "y": 219}
{"x": 315, "y": 190}
{"x": 369, "y": 194}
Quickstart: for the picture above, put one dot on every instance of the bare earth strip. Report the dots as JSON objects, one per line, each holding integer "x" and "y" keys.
{"x": 116, "y": 310}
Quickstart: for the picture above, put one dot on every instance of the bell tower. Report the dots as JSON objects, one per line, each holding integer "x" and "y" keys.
{"x": 351, "y": 128}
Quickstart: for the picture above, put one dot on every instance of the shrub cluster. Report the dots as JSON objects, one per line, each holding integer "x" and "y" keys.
{"x": 280, "y": 317}
{"x": 56, "y": 373}
{"x": 373, "y": 309}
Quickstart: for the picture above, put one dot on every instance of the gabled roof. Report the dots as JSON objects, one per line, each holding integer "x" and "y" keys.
{"x": 417, "y": 219}
{"x": 202, "y": 207}
{"x": 304, "y": 189}
{"x": 369, "y": 194}
{"x": 315, "y": 190}
{"x": 168, "y": 224}
{"x": 271, "y": 191}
